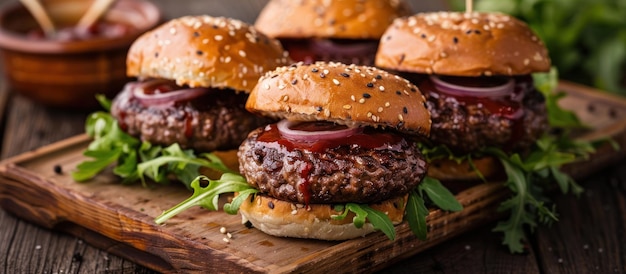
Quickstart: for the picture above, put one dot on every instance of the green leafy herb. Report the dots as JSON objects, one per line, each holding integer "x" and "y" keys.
{"x": 135, "y": 160}
{"x": 208, "y": 196}
{"x": 416, "y": 210}
{"x": 362, "y": 212}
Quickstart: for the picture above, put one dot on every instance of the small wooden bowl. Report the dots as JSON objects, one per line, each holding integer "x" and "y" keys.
{"x": 69, "y": 73}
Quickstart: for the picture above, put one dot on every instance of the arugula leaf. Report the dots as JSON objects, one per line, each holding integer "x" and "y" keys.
{"x": 416, "y": 213}
{"x": 208, "y": 196}
{"x": 362, "y": 212}
{"x": 380, "y": 221}
{"x": 439, "y": 194}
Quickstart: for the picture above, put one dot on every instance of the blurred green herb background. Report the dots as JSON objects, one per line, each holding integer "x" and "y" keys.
{"x": 586, "y": 38}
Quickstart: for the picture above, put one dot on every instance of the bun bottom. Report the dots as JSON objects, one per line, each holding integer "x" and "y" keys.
{"x": 286, "y": 219}
{"x": 450, "y": 170}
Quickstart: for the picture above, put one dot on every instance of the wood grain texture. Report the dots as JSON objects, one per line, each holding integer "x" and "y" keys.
{"x": 106, "y": 213}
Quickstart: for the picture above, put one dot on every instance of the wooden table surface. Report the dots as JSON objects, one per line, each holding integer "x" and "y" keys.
{"x": 589, "y": 238}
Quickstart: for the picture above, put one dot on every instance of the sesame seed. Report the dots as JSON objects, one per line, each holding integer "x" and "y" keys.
{"x": 400, "y": 117}
{"x": 326, "y": 71}
{"x": 352, "y": 98}
{"x": 285, "y": 98}
{"x": 294, "y": 81}
{"x": 398, "y": 92}
{"x": 455, "y": 40}
{"x": 318, "y": 108}
{"x": 198, "y": 52}
{"x": 405, "y": 110}
{"x": 381, "y": 88}
{"x": 347, "y": 106}
{"x": 370, "y": 85}
{"x": 266, "y": 86}
{"x": 196, "y": 34}
{"x": 294, "y": 212}
{"x": 387, "y": 104}
{"x": 345, "y": 74}
{"x": 366, "y": 95}
{"x": 304, "y": 77}
{"x": 281, "y": 87}
{"x": 378, "y": 76}
{"x": 380, "y": 109}
{"x": 242, "y": 53}
{"x": 314, "y": 70}
{"x": 336, "y": 81}
{"x": 226, "y": 240}
{"x": 322, "y": 75}
{"x": 327, "y": 113}
{"x": 173, "y": 31}
{"x": 230, "y": 236}
{"x": 218, "y": 37}
{"x": 223, "y": 230}
{"x": 369, "y": 114}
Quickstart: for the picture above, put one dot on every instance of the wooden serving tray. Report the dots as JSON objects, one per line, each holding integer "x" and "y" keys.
{"x": 120, "y": 218}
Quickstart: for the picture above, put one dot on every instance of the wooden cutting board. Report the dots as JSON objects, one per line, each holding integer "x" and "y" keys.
{"x": 120, "y": 218}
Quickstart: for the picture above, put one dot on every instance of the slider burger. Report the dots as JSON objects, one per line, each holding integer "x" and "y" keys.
{"x": 194, "y": 74}
{"x": 346, "y": 135}
{"x": 346, "y": 31}
{"x": 475, "y": 72}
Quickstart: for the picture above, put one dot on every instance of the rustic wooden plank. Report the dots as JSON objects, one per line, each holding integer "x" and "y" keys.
{"x": 592, "y": 229}
{"x": 125, "y": 215}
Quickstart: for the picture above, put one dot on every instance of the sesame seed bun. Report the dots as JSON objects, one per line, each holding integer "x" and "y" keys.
{"x": 285, "y": 219}
{"x": 462, "y": 44}
{"x": 344, "y": 94}
{"x": 205, "y": 51}
{"x": 348, "y": 19}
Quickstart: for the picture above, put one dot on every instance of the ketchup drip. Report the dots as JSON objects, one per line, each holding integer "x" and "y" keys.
{"x": 305, "y": 184}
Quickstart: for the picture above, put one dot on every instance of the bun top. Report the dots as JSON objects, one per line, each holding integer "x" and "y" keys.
{"x": 345, "y": 94}
{"x": 204, "y": 51}
{"x": 462, "y": 44}
{"x": 344, "y": 19}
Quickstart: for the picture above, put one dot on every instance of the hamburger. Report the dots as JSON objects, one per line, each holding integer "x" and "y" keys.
{"x": 475, "y": 72}
{"x": 345, "y": 136}
{"x": 489, "y": 121}
{"x": 193, "y": 76}
{"x": 347, "y": 31}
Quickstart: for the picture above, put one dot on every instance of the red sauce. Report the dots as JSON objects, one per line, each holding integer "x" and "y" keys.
{"x": 99, "y": 29}
{"x": 368, "y": 139}
{"x": 304, "y": 186}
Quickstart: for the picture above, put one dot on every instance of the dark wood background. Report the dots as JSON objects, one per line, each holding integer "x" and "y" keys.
{"x": 589, "y": 238}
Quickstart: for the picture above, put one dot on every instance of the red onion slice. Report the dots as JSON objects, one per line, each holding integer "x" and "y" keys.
{"x": 285, "y": 127}
{"x": 147, "y": 93}
{"x": 454, "y": 89}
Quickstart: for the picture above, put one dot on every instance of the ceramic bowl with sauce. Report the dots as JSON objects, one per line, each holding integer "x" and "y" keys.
{"x": 69, "y": 69}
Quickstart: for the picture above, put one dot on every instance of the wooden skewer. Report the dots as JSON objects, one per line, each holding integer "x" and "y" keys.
{"x": 95, "y": 11}
{"x": 41, "y": 16}
{"x": 469, "y": 5}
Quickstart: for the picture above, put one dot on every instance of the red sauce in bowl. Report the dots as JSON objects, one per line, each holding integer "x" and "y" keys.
{"x": 100, "y": 29}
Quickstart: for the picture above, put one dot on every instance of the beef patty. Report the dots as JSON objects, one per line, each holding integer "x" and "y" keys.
{"x": 467, "y": 124}
{"x": 214, "y": 121}
{"x": 345, "y": 173}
